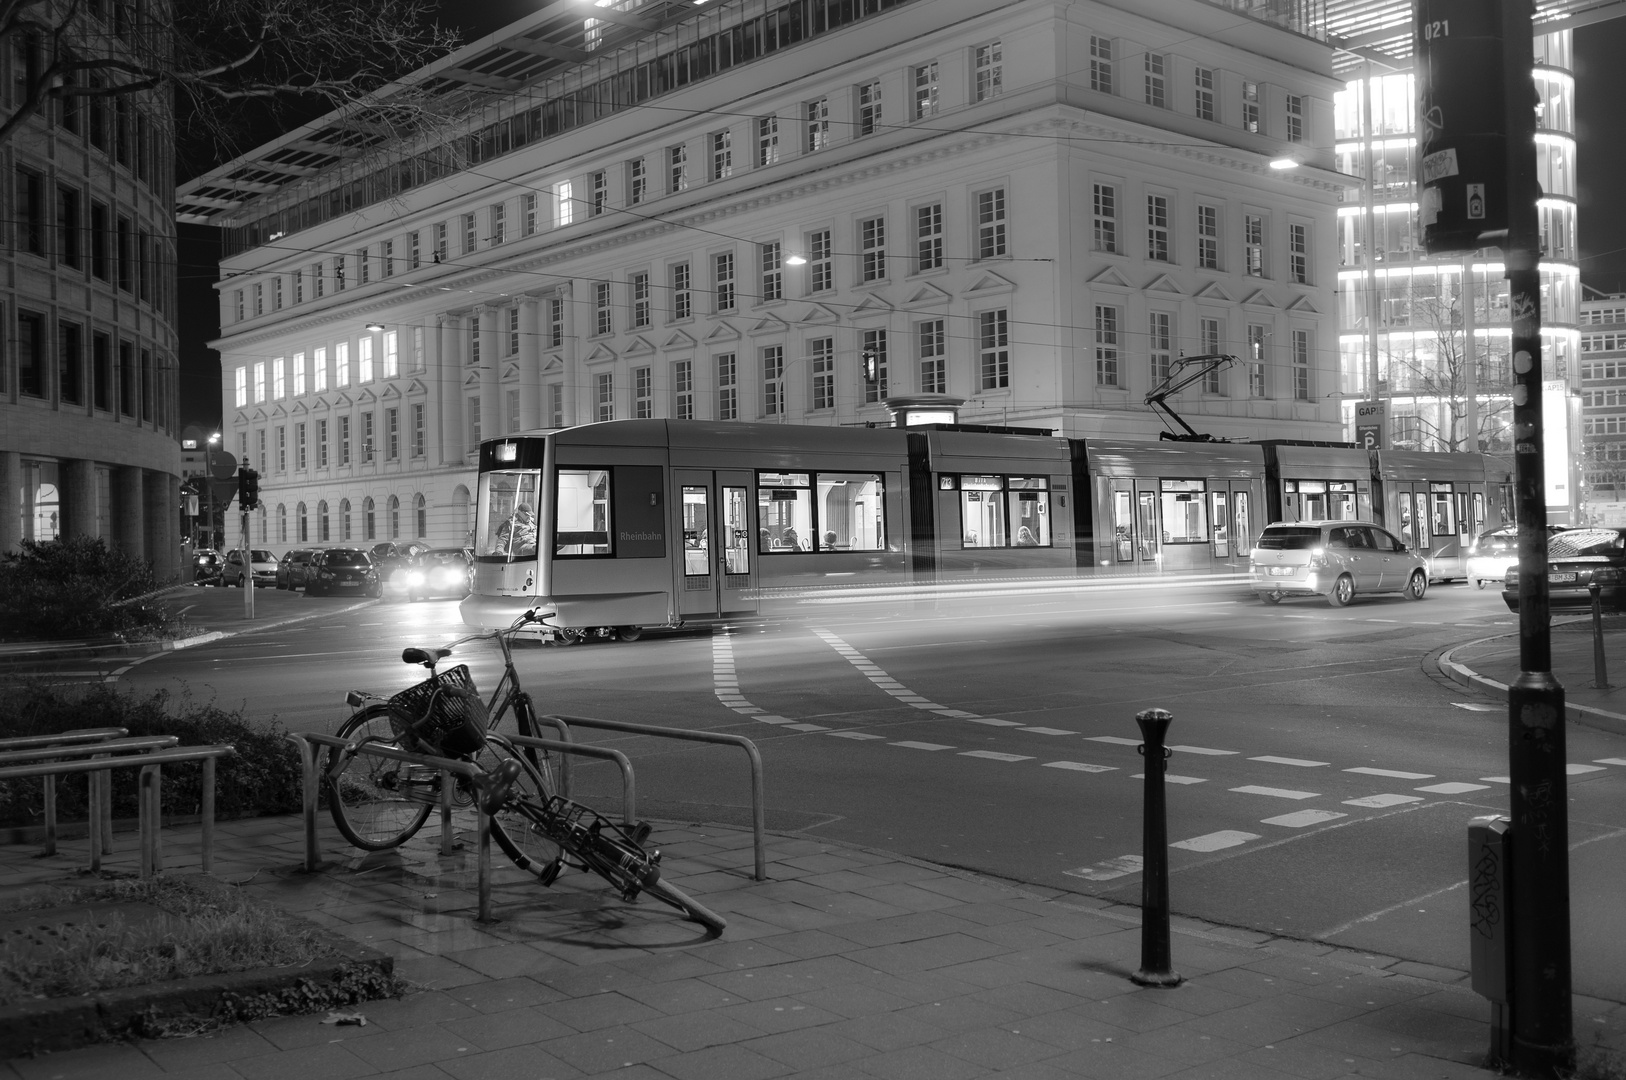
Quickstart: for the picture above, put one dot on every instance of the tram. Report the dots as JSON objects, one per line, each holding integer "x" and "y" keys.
{"x": 630, "y": 524}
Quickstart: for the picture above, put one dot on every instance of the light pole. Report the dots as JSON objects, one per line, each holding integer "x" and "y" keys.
{"x": 209, "y": 482}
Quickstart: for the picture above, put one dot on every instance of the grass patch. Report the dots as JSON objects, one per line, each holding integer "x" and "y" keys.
{"x": 207, "y": 928}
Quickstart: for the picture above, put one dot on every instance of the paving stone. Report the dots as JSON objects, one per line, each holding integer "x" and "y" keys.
{"x": 595, "y": 1012}
{"x": 926, "y": 954}
{"x": 910, "y": 927}
{"x": 681, "y": 996}
{"x": 176, "y": 1055}
{"x": 500, "y": 995}
{"x": 497, "y": 1031}
{"x": 724, "y": 1063}
{"x": 419, "y": 1045}
{"x": 323, "y": 1062}
{"x": 605, "y": 1049}
{"x": 920, "y": 1063}
{"x": 806, "y": 1048}
{"x": 697, "y": 1030}
{"x": 91, "y": 1063}
{"x": 887, "y": 1031}
{"x": 509, "y": 1063}
{"x": 774, "y": 1015}
{"x": 995, "y": 1048}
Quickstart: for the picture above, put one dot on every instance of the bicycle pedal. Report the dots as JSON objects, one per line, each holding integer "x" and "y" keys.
{"x": 630, "y": 896}
{"x": 641, "y": 831}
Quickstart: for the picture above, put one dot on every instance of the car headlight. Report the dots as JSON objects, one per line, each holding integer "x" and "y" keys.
{"x": 415, "y": 578}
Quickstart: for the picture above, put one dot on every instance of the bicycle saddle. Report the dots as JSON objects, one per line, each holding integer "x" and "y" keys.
{"x": 426, "y": 657}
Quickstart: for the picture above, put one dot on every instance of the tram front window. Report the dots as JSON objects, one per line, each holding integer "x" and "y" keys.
{"x": 505, "y": 526}
{"x": 582, "y": 521}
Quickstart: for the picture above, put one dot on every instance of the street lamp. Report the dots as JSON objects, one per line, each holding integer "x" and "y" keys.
{"x": 209, "y": 482}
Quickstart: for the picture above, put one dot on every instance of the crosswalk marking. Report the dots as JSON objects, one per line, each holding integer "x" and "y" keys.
{"x": 1610, "y": 761}
{"x": 806, "y": 727}
{"x": 1049, "y": 731}
{"x": 992, "y": 755}
{"x": 1079, "y": 766}
{"x": 1116, "y": 740}
{"x": 856, "y": 735}
{"x": 1452, "y": 788}
{"x": 1205, "y": 750}
{"x": 1302, "y": 819}
{"x": 922, "y": 746}
{"x": 1378, "y": 802}
{"x": 1216, "y": 841}
{"x": 1171, "y": 778}
{"x": 1393, "y": 774}
{"x": 1276, "y": 792}
{"x": 1122, "y": 866}
{"x": 1300, "y": 762}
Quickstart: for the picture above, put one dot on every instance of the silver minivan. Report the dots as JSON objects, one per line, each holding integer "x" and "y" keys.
{"x": 1336, "y": 559}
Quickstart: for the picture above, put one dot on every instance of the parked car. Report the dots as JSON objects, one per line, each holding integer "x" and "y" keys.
{"x": 1494, "y": 553}
{"x": 1336, "y": 559}
{"x": 343, "y": 570}
{"x": 206, "y": 566}
{"x": 394, "y": 560}
{"x": 1576, "y": 558}
{"x": 293, "y": 569}
{"x": 262, "y": 568}
{"x": 440, "y": 572}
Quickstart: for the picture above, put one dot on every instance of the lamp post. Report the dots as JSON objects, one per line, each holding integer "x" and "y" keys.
{"x": 209, "y": 482}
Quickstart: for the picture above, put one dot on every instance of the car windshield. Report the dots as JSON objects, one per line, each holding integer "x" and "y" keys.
{"x": 441, "y": 557}
{"x": 263, "y": 556}
{"x": 1501, "y": 540}
{"x": 1576, "y": 542}
{"x": 347, "y": 558}
{"x": 1289, "y": 538}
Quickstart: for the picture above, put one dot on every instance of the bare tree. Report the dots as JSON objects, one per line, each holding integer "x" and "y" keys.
{"x": 212, "y": 64}
{"x": 1434, "y": 373}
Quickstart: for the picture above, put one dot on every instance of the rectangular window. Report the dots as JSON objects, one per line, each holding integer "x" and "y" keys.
{"x": 722, "y": 154}
{"x": 1106, "y": 345}
{"x": 556, "y": 405}
{"x": 319, "y": 370}
{"x": 722, "y": 280}
{"x": 1157, "y": 90}
{"x": 472, "y": 430}
{"x": 991, "y": 224}
{"x": 471, "y": 234}
{"x": 1204, "y": 79}
{"x": 31, "y": 374}
{"x": 637, "y": 182}
{"x": 601, "y": 193}
{"x": 564, "y": 204}
{"x": 511, "y": 411}
{"x": 417, "y": 348}
{"x": 728, "y": 391}
{"x": 341, "y": 364}
{"x": 240, "y": 388}
{"x": 993, "y": 350}
{"x": 1208, "y": 237}
{"x": 989, "y": 71}
{"x": 364, "y": 359}
{"x": 817, "y": 116}
{"x": 299, "y": 447}
{"x": 1253, "y": 245}
{"x": 513, "y": 330}
{"x": 344, "y": 440}
{"x": 299, "y": 286}
{"x": 682, "y": 300}
{"x": 278, "y": 379}
{"x": 643, "y": 393}
{"x": 262, "y": 462}
{"x": 926, "y": 90}
{"x": 1003, "y": 511}
{"x": 101, "y": 372}
{"x": 683, "y": 389}
{"x": 677, "y": 169}
{"x": 821, "y": 273}
{"x": 929, "y": 237}
{"x": 497, "y": 223}
{"x": 1298, "y": 254}
{"x": 276, "y": 293}
{"x": 874, "y": 350}
{"x": 67, "y": 226}
{"x": 418, "y": 429}
{"x": 869, "y": 107}
{"x": 932, "y": 348}
{"x": 767, "y": 140}
{"x": 1105, "y": 210}
{"x": 474, "y": 342}
{"x": 1301, "y": 365}
{"x": 1295, "y": 118}
{"x": 527, "y": 214}
{"x": 582, "y": 514}
{"x": 773, "y": 379}
{"x": 773, "y": 270}
{"x": 414, "y": 251}
{"x": 556, "y": 323}
{"x": 30, "y": 211}
{"x": 392, "y": 354}
{"x": 259, "y": 381}
{"x": 1160, "y": 341}
{"x": 70, "y": 362}
{"x": 640, "y": 299}
{"x": 1256, "y": 361}
{"x": 1250, "y": 106}
{"x": 338, "y": 274}
{"x": 822, "y": 369}
{"x": 1210, "y": 335}
{"x": 369, "y": 437}
{"x": 442, "y": 244}
{"x": 258, "y": 292}
{"x": 1157, "y": 228}
{"x": 387, "y": 257}
{"x": 363, "y": 264}
{"x": 1101, "y": 64}
{"x": 99, "y": 216}
{"x": 872, "y": 249}
{"x": 603, "y": 315}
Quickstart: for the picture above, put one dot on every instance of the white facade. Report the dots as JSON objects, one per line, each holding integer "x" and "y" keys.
{"x": 1033, "y": 206}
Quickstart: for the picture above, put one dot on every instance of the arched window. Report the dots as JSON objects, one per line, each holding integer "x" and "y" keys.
{"x": 300, "y": 523}
{"x": 321, "y": 522}
{"x": 368, "y": 528}
{"x": 395, "y": 518}
{"x": 344, "y": 519}
{"x": 421, "y": 511}
{"x": 462, "y": 520}
{"x": 282, "y": 523}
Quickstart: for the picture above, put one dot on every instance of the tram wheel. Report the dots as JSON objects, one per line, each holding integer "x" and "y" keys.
{"x": 568, "y": 636}
{"x": 629, "y": 633}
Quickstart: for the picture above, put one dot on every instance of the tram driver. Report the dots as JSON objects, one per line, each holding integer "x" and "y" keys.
{"x": 516, "y": 537}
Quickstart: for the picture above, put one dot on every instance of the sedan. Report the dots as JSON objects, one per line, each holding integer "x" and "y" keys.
{"x": 1576, "y": 560}
{"x": 262, "y": 567}
{"x": 293, "y": 571}
{"x": 1336, "y": 559}
{"x": 393, "y": 561}
{"x": 440, "y": 572}
{"x": 1493, "y": 554}
{"x": 343, "y": 570}
{"x": 206, "y": 566}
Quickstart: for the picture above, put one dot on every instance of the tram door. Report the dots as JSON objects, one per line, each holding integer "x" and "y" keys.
{"x": 717, "y": 575}
{"x": 1137, "y": 535}
{"x": 1230, "y": 516}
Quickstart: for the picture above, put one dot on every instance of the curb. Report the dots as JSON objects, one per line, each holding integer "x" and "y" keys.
{"x": 1462, "y": 674}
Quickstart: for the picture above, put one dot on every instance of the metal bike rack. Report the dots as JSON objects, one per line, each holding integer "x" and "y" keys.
{"x": 309, "y": 743}
{"x": 629, "y": 786}
{"x": 758, "y": 813}
{"x": 86, "y": 742}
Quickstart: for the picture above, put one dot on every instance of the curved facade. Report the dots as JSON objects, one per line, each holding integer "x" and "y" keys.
{"x": 88, "y": 385}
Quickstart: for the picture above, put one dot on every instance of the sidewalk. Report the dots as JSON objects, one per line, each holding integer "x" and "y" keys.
{"x": 846, "y": 963}
{"x": 1492, "y": 663}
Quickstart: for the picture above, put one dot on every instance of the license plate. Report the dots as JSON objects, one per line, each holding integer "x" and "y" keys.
{"x": 1282, "y": 571}
{"x": 1562, "y": 578}
{"x": 348, "y": 584}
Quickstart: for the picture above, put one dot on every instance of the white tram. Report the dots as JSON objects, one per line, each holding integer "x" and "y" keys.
{"x": 629, "y": 524}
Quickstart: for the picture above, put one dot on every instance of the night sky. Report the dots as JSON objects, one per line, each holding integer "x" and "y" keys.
{"x": 1600, "y": 130}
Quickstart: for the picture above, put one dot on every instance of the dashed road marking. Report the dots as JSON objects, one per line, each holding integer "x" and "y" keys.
{"x": 1378, "y": 802}
{"x": 993, "y": 755}
{"x": 1122, "y": 866}
{"x": 1303, "y": 819}
{"x": 1577, "y": 770}
{"x": 1278, "y": 793}
{"x": 1115, "y": 740}
{"x": 897, "y": 690}
{"x": 1476, "y": 706}
{"x": 1452, "y": 788}
{"x": 1171, "y": 778}
{"x": 858, "y": 735}
{"x": 921, "y": 745}
{"x": 1216, "y": 841}
{"x": 806, "y": 727}
{"x": 1203, "y": 750}
{"x": 1300, "y": 762}
{"x": 1497, "y": 779}
{"x": 1610, "y": 760}
{"x": 1080, "y": 766}
{"x": 1049, "y": 731}
{"x": 1393, "y": 774}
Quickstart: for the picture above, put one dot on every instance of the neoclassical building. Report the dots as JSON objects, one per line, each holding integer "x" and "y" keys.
{"x": 87, "y": 297}
{"x": 665, "y": 210}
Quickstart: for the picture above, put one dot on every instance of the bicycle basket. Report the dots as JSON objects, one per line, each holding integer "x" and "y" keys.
{"x": 442, "y": 716}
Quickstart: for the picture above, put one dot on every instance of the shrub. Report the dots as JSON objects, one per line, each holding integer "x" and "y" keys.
{"x": 263, "y": 777}
{"x": 78, "y": 587}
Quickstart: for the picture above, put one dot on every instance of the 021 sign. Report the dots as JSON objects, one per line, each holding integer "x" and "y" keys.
{"x": 1370, "y": 422}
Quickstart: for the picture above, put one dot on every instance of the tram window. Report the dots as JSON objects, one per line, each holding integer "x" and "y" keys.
{"x": 1027, "y": 500}
{"x": 582, "y": 522}
{"x": 502, "y": 530}
{"x": 1219, "y": 514}
{"x": 1444, "y": 517}
{"x": 736, "y": 531}
{"x": 1123, "y": 526}
{"x": 1146, "y": 525}
{"x": 851, "y": 515}
{"x": 1422, "y": 519}
{"x": 1185, "y": 520}
{"x": 696, "y": 538}
{"x": 982, "y": 512}
{"x": 1479, "y": 512}
{"x": 1341, "y": 501}
{"x": 784, "y": 512}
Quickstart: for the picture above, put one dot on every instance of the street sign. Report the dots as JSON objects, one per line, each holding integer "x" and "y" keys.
{"x": 222, "y": 466}
{"x": 1371, "y": 425}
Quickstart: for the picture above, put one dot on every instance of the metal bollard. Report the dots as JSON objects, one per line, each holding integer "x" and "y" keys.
{"x": 1156, "y": 966}
{"x": 1600, "y": 675}
{"x": 1489, "y": 930}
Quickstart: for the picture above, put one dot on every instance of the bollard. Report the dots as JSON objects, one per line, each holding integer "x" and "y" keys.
{"x": 1156, "y": 968}
{"x": 1488, "y": 926}
{"x": 1600, "y": 676}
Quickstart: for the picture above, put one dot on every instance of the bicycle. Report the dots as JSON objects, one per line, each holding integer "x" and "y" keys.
{"x": 380, "y": 803}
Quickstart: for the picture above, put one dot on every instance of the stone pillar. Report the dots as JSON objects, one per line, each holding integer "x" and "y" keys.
{"x": 163, "y": 527}
{"x": 13, "y": 500}
{"x": 452, "y": 410}
{"x": 572, "y": 361}
{"x": 78, "y": 497}
{"x": 493, "y": 418}
{"x": 530, "y": 364}
{"x": 130, "y": 511}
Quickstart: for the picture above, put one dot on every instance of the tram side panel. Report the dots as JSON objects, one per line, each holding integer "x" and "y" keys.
{"x": 1320, "y": 483}
{"x": 998, "y": 502}
{"x": 1438, "y": 502}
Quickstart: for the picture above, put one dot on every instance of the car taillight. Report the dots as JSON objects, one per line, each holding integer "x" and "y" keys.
{"x": 1318, "y": 557}
{"x": 1606, "y": 576}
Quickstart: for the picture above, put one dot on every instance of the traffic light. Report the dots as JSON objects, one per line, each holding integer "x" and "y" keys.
{"x": 248, "y": 489}
{"x": 872, "y": 366}
{"x": 1462, "y": 149}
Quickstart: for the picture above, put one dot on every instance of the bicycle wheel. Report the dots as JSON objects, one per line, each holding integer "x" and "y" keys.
{"x": 521, "y": 839}
{"x": 369, "y": 797}
{"x": 667, "y": 893}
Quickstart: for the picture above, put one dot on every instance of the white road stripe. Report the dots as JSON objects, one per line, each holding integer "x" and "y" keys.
{"x": 992, "y": 755}
{"x": 1122, "y": 866}
{"x": 855, "y": 735}
{"x": 1276, "y": 792}
{"x": 1216, "y": 841}
{"x": 1378, "y": 802}
{"x": 1171, "y": 778}
{"x": 1080, "y": 766}
{"x": 1300, "y": 762}
{"x": 1452, "y": 789}
{"x": 1049, "y": 731}
{"x": 1203, "y": 750}
{"x": 921, "y": 745}
{"x": 1610, "y": 760}
{"x": 805, "y": 727}
{"x": 1393, "y": 774}
{"x": 1577, "y": 770}
{"x": 1115, "y": 740}
{"x": 1303, "y": 819}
